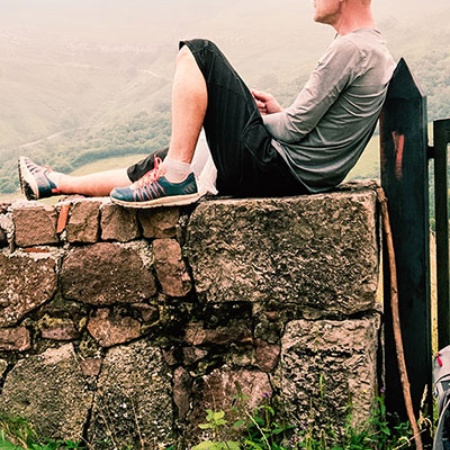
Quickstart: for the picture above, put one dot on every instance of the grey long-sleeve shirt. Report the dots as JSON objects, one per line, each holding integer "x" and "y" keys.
{"x": 323, "y": 133}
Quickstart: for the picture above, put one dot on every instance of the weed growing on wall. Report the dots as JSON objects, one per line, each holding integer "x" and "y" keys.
{"x": 17, "y": 434}
{"x": 377, "y": 434}
{"x": 259, "y": 430}
{"x": 241, "y": 429}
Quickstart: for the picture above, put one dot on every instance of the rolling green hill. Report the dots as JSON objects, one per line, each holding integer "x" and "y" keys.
{"x": 85, "y": 80}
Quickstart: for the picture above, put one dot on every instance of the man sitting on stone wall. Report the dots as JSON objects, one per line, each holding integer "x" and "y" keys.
{"x": 258, "y": 148}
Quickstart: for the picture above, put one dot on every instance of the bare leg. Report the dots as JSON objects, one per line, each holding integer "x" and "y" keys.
{"x": 174, "y": 183}
{"x": 189, "y": 102}
{"x": 93, "y": 185}
{"x": 38, "y": 182}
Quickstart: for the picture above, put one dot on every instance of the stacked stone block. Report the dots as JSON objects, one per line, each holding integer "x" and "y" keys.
{"x": 121, "y": 327}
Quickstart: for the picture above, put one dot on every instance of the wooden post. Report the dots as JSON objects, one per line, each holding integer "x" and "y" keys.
{"x": 441, "y": 139}
{"x": 404, "y": 178}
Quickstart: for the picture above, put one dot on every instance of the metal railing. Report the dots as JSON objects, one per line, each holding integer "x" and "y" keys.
{"x": 441, "y": 132}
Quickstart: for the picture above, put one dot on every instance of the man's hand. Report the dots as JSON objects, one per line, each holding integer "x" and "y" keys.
{"x": 266, "y": 103}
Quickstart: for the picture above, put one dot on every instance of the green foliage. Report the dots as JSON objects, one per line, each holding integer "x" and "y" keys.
{"x": 17, "y": 434}
{"x": 141, "y": 134}
{"x": 208, "y": 445}
{"x": 378, "y": 434}
{"x": 241, "y": 429}
{"x": 260, "y": 430}
{"x": 215, "y": 421}
{"x": 257, "y": 430}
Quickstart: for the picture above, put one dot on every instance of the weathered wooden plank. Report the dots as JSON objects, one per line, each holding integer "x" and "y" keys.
{"x": 441, "y": 131}
{"x": 404, "y": 177}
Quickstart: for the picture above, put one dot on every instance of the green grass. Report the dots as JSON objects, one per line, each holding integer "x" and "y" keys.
{"x": 108, "y": 164}
{"x": 240, "y": 429}
{"x": 17, "y": 434}
{"x": 368, "y": 165}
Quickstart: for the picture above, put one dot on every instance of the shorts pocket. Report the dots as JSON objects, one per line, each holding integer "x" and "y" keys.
{"x": 257, "y": 141}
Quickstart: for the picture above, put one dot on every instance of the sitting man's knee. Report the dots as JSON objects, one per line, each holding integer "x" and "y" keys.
{"x": 198, "y": 45}
{"x": 184, "y": 55}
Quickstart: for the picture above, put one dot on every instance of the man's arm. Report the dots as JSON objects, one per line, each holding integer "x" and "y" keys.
{"x": 336, "y": 70}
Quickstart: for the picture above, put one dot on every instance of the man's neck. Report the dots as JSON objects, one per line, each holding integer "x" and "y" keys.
{"x": 352, "y": 20}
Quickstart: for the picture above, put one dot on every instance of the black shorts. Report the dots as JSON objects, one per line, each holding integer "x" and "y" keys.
{"x": 247, "y": 163}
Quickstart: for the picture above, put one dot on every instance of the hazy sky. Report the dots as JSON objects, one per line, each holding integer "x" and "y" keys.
{"x": 136, "y": 20}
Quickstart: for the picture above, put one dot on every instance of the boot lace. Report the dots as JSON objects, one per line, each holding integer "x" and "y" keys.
{"x": 152, "y": 175}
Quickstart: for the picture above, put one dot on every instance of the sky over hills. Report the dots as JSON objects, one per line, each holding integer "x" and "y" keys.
{"x": 271, "y": 31}
{"x": 140, "y": 20}
{"x": 243, "y": 28}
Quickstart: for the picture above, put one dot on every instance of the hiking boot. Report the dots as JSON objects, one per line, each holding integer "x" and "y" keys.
{"x": 154, "y": 190}
{"x": 34, "y": 181}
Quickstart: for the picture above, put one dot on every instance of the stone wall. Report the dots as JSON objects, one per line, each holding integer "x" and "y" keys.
{"x": 122, "y": 327}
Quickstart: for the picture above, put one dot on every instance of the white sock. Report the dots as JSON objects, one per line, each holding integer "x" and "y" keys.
{"x": 176, "y": 171}
{"x": 54, "y": 176}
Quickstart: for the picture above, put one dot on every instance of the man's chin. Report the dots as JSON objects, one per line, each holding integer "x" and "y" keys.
{"x": 321, "y": 19}
{"x": 318, "y": 18}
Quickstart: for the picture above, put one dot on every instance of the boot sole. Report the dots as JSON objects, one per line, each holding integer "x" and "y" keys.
{"x": 28, "y": 184}
{"x": 174, "y": 200}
